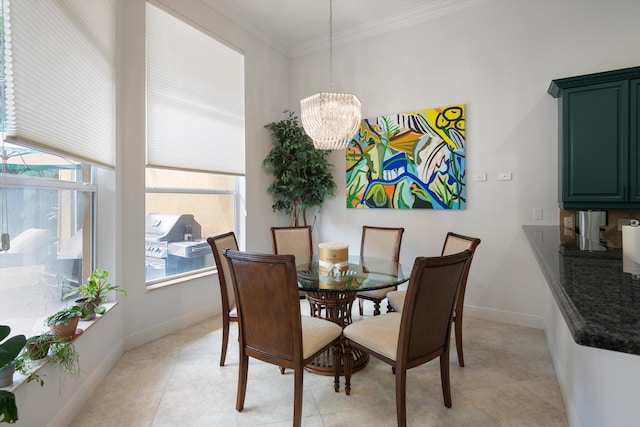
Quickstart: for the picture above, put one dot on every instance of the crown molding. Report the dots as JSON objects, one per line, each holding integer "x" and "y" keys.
{"x": 391, "y": 23}
{"x": 429, "y": 11}
{"x": 269, "y": 37}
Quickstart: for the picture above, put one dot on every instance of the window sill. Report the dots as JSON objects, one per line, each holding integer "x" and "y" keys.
{"x": 84, "y": 325}
{"x": 181, "y": 279}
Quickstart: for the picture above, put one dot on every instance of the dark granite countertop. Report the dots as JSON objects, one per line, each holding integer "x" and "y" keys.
{"x": 598, "y": 300}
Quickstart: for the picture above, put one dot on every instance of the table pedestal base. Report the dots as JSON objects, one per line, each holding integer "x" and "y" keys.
{"x": 336, "y": 307}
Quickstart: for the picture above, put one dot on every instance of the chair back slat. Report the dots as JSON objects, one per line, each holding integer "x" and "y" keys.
{"x": 381, "y": 242}
{"x": 266, "y": 292}
{"x": 293, "y": 240}
{"x": 455, "y": 243}
{"x": 426, "y": 317}
{"x": 218, "y": 244}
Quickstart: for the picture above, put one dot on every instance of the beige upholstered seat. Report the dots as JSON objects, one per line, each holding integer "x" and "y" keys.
{"x": 275, "y": 332}
{"x": 453, "y": 243}
{"x": 379, "y": 242}
{"x": 229, "y": 314}
{"x": 420, "y": 333}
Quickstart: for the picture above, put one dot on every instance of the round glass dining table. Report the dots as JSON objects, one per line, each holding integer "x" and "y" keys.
{"x": 331, "y": 295}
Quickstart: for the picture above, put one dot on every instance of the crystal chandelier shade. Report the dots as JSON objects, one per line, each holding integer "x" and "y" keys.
{"x": 331, "y": 119}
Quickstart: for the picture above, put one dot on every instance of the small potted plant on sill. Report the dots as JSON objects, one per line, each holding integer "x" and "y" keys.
{"x": 57, "y": 350}
{"x": 38, "y": 346}
{"x": 64, "y": 323}
{"x": 9, "y": 351}
{"x": 94, "y": 292}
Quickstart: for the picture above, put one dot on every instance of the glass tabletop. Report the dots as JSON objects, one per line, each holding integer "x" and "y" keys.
{"x": 362, "y": 274}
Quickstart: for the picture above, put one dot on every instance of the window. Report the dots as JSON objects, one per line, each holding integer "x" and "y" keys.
{"x": 183, "y": 209}
{"x": 58, "y": 98}
{"x": 195, "y": 144}
{"x": 47, "y": 205}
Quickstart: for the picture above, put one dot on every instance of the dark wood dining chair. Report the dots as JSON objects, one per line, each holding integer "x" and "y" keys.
{"x": 420, "y": 333}
{"x": 379, "y": 242}
{"x": 276, "y": 333}
{"x": 453, "y": 243}
{"x": 229, "y": 311}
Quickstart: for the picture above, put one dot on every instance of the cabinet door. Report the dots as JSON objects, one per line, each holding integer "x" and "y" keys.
{"x": 595, "y": 148}
{"x": 634, "y": 139}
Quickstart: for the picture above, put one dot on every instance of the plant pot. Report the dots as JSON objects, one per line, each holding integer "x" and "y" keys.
{"x": 38, "y": 347}
{"x": 65, "y": 331}
{"x": 6, "y": 374}
{"x": 90, "y": 306}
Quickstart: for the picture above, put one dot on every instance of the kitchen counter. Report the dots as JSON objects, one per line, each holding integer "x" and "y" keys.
{"x": 600, "y": 303}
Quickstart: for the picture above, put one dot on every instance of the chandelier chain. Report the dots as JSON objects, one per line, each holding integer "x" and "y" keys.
{"x": 330, "y": 45}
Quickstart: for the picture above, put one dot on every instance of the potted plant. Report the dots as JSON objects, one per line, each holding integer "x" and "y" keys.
{"x": 8, "y": 407}
{"x": 302, "y": 174}
{"x": 94, "y": 292}
{"x": 38, "y": 346}
{"x": 64, "y": 323}
{"x": 9, "y": 351}
{"x": 57, "y": 350}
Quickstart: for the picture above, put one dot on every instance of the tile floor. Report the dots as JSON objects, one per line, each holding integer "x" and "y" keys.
{"x": 174, "y": 381}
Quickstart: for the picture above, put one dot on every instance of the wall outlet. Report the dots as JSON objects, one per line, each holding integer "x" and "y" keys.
{"x": 504, "y": 176}
{"x": 569, "y": 222}
{"x": 479, "y": 177}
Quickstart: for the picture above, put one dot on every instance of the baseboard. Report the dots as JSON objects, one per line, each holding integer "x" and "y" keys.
{"x": 166, "y": 328}
{"x": 519, "y": 319}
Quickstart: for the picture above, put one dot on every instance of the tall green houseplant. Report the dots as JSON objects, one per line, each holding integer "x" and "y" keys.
{"x": 302, "y": 174}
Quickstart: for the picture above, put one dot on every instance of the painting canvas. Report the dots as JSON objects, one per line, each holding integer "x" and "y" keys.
{"x": 413, "y": 160}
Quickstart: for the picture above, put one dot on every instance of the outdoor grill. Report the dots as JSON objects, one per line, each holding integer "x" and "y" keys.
{"x": 173, "y": 245}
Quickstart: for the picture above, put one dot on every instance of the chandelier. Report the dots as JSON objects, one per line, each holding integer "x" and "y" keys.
{"x": 331, "y": 119}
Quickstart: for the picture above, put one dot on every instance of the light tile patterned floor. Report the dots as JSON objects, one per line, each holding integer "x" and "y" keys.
{"x": 174, "y": 381}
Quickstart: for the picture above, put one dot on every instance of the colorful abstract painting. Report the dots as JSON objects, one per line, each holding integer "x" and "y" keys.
{"x": 411, "y": 160}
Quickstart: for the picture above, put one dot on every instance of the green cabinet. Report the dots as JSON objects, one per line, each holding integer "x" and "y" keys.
{"x": 599, "y": 153}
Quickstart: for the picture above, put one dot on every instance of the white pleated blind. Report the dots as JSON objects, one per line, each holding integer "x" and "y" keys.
{"x": 195, "y": 98}
{"x": 60, "y": 77}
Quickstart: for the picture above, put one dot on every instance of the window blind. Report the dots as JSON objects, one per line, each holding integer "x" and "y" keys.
{"x": 195, "y": 98}
{"x": 60, "y": 77}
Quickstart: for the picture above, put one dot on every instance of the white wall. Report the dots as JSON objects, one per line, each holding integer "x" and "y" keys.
{"x": 498, "y": 59}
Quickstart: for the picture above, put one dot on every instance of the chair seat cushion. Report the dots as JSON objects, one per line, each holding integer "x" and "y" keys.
{"x": 396, "y": 299}
{"x": 317, "y": 333}
{"x": 378, "y": 293}
{"x": 378, "y": 333}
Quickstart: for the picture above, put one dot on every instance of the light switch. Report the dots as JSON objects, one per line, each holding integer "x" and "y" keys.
{"x": 482, "y": 176}
{"x": 504, "y": 176}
